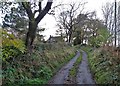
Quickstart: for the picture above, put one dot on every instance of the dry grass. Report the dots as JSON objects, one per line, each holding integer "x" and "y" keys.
{"x": 114, "y": 52}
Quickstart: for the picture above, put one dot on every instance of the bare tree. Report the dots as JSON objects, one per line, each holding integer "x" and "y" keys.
{"x": 108, "y": 15}
{"x": 119, "y": 25}
{"x": 112, "y": 16}
{"x": 67, "y": 19}
{"x": 115, "y": 20}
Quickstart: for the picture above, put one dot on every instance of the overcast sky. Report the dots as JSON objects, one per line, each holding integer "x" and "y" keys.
{"x": 49, "y": 22}
{"x": 93, "y": 5}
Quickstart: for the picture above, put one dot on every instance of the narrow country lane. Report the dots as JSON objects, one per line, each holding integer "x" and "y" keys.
{"x": 84, "y": 76}
{"x": 62, "y": 75}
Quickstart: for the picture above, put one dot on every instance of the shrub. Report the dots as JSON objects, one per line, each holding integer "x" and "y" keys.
{"x": 10, "y": 40}
{"x": 10, "y": 52}
{"x": 11, "y": 46}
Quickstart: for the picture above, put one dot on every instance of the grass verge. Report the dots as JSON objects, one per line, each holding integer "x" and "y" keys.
{"x": 36, "y": 68}
{"x": 104, "y": 66}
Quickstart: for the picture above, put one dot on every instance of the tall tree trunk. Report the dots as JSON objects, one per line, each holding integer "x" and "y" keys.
{"x": 115, "y": 25}
{"x": 33, "y": 22}
{"x": 70, "y": 35}
{"x": 31, "y": 34}
{"x": 69, "y": 40}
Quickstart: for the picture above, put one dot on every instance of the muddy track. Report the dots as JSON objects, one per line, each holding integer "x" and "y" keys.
{"x": 84, "y": 76}
{"x": 62, "y": 74}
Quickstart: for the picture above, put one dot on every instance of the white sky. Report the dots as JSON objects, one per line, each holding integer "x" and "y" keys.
{"x": 93, "y": 5}
{"x": 49, "y": 22}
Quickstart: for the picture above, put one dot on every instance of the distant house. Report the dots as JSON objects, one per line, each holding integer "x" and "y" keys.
{"x": 54, "y": 39}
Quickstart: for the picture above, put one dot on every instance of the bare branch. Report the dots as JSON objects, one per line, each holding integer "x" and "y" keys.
{"x": 43, "y": 12}
{"x": 27, "y": 7}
